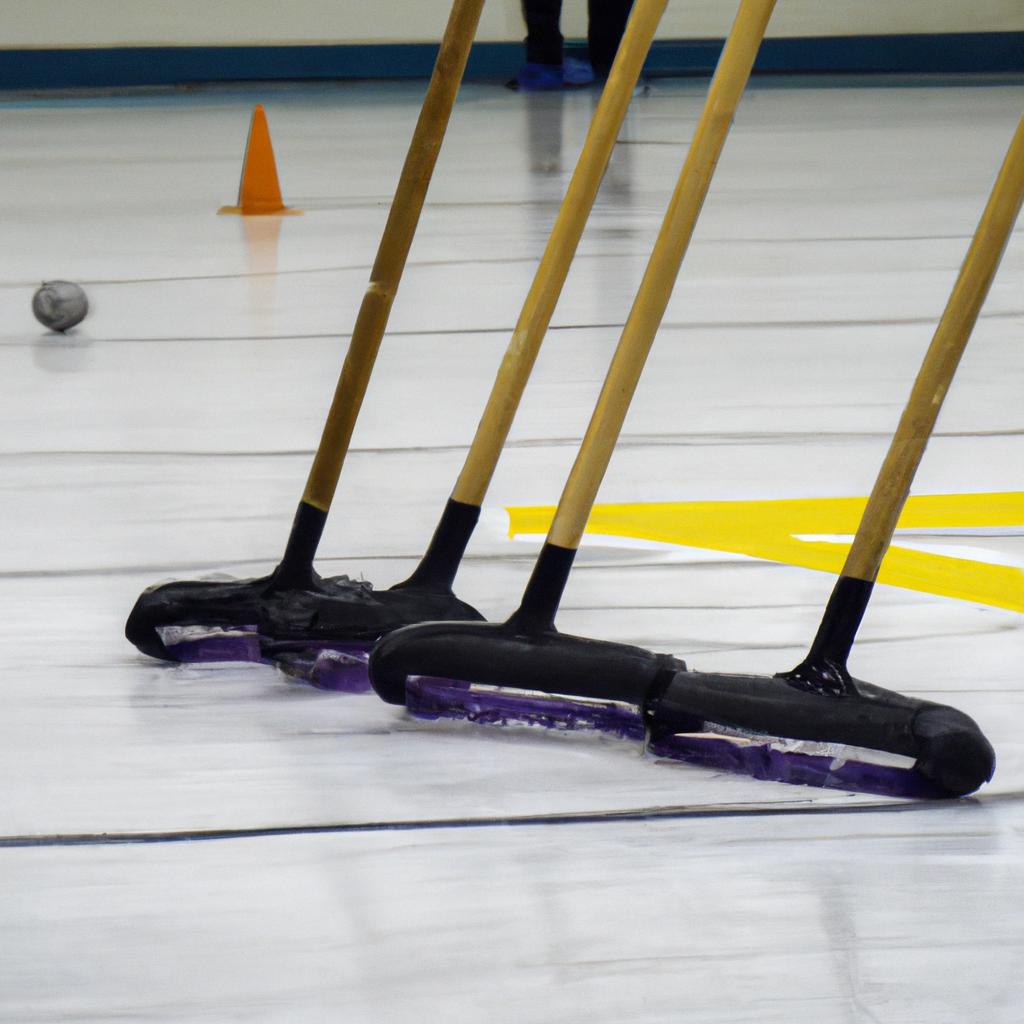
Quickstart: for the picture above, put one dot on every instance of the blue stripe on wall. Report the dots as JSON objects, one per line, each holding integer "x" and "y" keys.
{"x": 954, "y": 53}
{"x": 166, "y": 65}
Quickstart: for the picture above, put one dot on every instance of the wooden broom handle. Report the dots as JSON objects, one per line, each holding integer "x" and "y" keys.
{"x": 561, "y": 248}
{"x": 392, "y": 253}
{"x": 595, "y": 452}
{"x": 918, "y": 420}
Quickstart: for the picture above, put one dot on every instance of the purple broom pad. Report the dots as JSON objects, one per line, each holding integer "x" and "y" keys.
{"x": 338, "y": 667}
{"x": 431, "y": 698}
{"x": 194, "y": 644}
{"x": 781, "y": 760}
{"x": 762, "y": 757}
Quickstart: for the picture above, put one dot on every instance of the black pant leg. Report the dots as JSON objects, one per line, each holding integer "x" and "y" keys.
{"x": 607, "y": 23}
{"x": 543, "y": 36}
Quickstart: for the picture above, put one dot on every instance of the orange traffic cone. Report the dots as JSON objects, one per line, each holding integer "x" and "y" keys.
{"x": 259, "y": 191}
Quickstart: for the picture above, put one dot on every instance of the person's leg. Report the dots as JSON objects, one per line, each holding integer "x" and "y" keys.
{"x": 543, "y": 35}
{"x": 607, "y": 23}
{"x": 543, "y": 68}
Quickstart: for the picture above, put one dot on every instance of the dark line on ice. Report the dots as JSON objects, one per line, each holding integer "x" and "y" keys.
{"x": 422, "y": 332}
{"x": 339, "y": 269}
{"x": 716, "y": 440}
{"x": 813, "y": 324}
{"x": 646, "y": 814}
{"x": 692, "y": 325}
{"x": 352, "y": 267}
{"x": 526, "y": 555}
{"x": 265, "y": 565}
{"x": 262, "y": 565}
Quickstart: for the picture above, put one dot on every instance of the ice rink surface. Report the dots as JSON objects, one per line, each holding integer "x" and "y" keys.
{"x": 365, "y": 867}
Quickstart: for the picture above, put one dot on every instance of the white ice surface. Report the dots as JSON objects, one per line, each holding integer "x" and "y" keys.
{"x": 170, "y": 436}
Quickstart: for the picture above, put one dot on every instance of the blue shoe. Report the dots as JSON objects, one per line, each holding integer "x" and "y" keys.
{"x": 576, "y": 73}
{"x": 538, "y": 78}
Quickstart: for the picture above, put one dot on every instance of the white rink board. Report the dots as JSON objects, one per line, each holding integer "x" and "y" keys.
{"x": 61, "y": 23}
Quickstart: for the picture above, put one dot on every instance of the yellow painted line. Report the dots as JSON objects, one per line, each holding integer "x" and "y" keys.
{"x": 770, "y": 530}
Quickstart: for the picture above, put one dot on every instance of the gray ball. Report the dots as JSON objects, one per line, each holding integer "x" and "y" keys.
{"x": 60, "y": 305}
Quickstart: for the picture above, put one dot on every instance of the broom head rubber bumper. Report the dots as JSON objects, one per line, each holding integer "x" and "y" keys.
{"x": 502, "y": 655}
{"x": 773, "y": 728}
{"x": 259, "y": 619}
{"x": 866, "y": 740}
